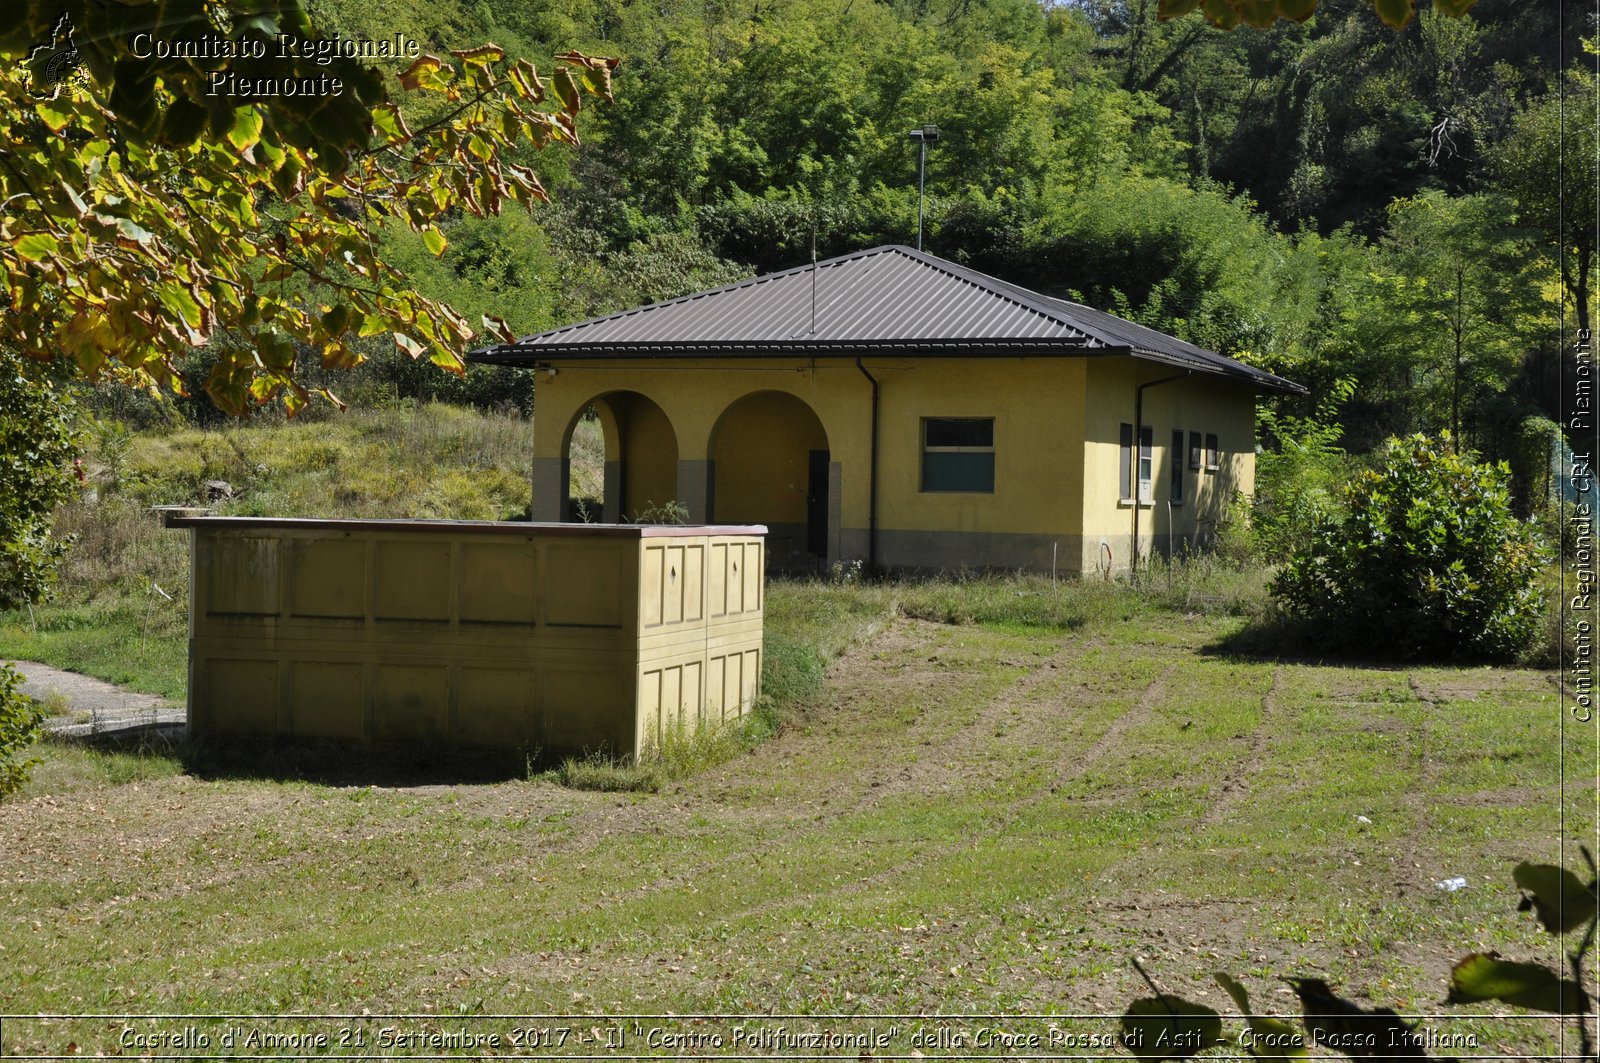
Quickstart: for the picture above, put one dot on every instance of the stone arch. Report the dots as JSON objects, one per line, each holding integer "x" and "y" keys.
{"x": 770, "y": 464}
{"x": 639, "y": 464}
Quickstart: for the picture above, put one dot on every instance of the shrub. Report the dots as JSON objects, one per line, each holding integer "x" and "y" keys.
{"x": 1427, "y": 560}
{"x": 21, "y": 723}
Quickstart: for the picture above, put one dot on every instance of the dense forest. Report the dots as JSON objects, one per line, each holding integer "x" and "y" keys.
{"x": 1331, "y": 200}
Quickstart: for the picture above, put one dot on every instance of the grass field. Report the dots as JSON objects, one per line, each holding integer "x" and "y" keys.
{"x": 976, "y": 818}
{"x": 984, "y": 796}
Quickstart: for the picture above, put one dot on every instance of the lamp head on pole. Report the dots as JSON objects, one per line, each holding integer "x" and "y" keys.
{"x": 923, "y": 134}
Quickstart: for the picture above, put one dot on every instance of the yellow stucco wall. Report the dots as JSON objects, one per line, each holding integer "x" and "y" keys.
{"x": 1197, "y": 403}
{"x": 1056, "y": 449}
{"x": 771, "y": 478}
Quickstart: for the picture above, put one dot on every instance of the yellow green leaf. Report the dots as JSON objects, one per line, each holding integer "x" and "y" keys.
{"x": 32, "y": 247}
{"x": 246, "y": 128}
{"x": 426, "y": 73}
{"x": 1220, "y": 13}
{"x": 1484, "y": 976}
{"x": 55, "y": 114}
{"x": 525, "y": 78}
{"x": 483, "y": 55}
{"x": 1453, "y": 8}
{"x": 1297, "y": 10}
{"x": 1395, "y": 13}
{"x": 567, "y": 91}
{"x": 1258, "y": 13}
{"x": 434, "y": 239}
{"x": 390, "y": 123}
{"x": 409, "y": 345}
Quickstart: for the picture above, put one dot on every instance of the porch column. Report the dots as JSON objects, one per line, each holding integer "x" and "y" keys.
{"x": 694, "y": 488}
{"x": 550, "y": 479}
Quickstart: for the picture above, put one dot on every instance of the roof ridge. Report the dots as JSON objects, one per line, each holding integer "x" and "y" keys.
{"x": 748, "y": 282}
{"x": 1014, "y": 293}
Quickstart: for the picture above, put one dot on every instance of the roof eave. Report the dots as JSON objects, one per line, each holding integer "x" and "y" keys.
{"x": 530, "y": 355}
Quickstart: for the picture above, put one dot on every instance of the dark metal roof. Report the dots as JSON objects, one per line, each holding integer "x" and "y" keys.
{"x": 886, "y": 300}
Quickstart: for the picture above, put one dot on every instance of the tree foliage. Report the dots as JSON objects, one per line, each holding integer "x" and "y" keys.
{"x": 1226, "y": 14}
{"x": 37, "y": 446}
{"x": 1427, "y": 559}
{"x": 144, "y": 215}
{"x": 21, "y": 722}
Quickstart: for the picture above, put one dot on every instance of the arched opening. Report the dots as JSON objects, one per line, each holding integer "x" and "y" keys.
{"x": 620, "y": 460}
{"x": 770, "y": 465}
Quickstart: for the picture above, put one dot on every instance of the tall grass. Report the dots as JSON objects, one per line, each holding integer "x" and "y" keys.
{"x": 121, "y": 608}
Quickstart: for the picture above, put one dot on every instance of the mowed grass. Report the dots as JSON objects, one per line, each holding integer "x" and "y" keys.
{"x": 994, "y": 816}
{"x": 958, "y": 795}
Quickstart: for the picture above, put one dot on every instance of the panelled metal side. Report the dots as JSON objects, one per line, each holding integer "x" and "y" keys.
{"x": 559, "y": 637}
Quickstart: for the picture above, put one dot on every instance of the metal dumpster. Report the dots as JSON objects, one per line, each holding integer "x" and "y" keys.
{"x": 558, "y": 637}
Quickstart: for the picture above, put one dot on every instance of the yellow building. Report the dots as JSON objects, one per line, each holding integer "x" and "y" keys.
{"x": 891, "y": 407}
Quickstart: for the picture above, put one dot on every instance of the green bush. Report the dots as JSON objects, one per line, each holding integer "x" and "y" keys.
{"x": 21, "y": 723}
{"x": 1426, "y": 560}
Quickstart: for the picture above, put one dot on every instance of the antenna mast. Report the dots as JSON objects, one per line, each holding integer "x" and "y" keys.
{"x": 813, "y": 269}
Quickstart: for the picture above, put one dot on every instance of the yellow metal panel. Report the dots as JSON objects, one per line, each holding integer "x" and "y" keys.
{"x": 753, "y": 569}
{"x": 328, "y": 577}
{"x": 499, "y": 706}
{"x": 672, "y": 589}
{"x": 650, "y": 704}
{"x": 583, "y": 583}
{"x": 734, "y": 601}
{"x": 671, "y": 698}
{"x": 497, "y": 582}
{"x": 717, "y": 580}
{"x": 651, "y": 576}
{"x": 733, "y": 685}
{"x": 694, "y": 579}
{"x": 241, "y": 697}
{"x": 251, "y": 563}
{"x": 326, "y": 701}
{"x": 691, "y": 706}
{"x": 411, "y": 580}
{"x": 585, "y": 711}
{"x": 716, "y": 687}
{"x": 410, "y": 702}
{"x": 750, "y": 684}
{"x": 583, "y": 677}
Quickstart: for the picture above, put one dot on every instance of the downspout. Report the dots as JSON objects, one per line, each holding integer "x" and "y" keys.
{"x": 872, "y": 476}
{"x": 1138, "y": 453}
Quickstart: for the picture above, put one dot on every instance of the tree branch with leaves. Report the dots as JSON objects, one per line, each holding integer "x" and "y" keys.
{"x": 144, "y": 215}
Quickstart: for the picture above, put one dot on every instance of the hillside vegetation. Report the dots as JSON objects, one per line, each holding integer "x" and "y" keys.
{"x": 1330, "y": 200}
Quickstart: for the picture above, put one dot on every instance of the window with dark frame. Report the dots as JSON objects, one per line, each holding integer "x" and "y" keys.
{"x": 1145, "y": 462}
{"x": 958, "y": 454}
{"x": 1147, "y": 446}
{"x": 1175, "y": 461}
{"x": 1125, "y": 465}
{"x": 1211, "y": 451}
{"x": 1196, "y": 453}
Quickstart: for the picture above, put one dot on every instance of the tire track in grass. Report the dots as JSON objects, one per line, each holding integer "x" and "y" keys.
{"x": 867, "y": 666}
{"x": 1109, "y": 741}
{"x": 1422, "y": 823}
{"x": 1236, "y": 785}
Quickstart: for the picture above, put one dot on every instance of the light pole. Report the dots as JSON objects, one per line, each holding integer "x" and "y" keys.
{"x": 922, "y": 135}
